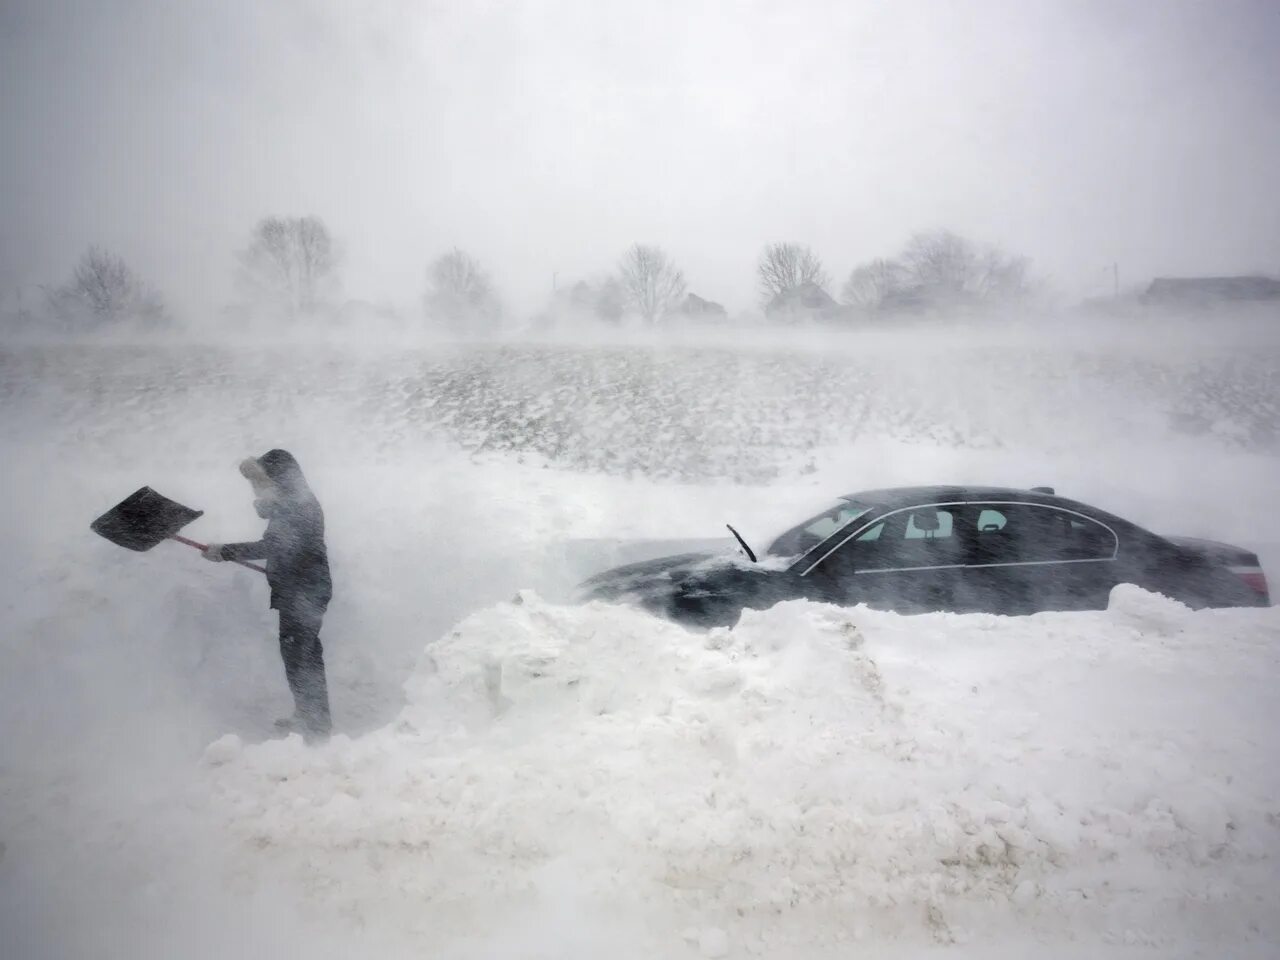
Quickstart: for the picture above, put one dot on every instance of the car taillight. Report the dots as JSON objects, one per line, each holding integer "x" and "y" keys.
{"x": 1254, "y": 577}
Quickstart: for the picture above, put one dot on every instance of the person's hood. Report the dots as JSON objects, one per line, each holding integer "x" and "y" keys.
{"x": 263, "y": 487}
{"x": 275, "y": 473}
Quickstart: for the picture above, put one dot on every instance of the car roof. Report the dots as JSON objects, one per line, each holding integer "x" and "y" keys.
{"x": 892, "y": 496}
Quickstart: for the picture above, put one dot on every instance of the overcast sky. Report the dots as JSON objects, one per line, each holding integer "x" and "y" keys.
{"x": 547, "y": 136}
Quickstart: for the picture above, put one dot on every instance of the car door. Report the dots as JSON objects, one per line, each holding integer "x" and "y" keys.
{"x": 1077, "y": 562}
{"x": 992, "y": 580}
{"x": 1027, "y": 557}
{"x": 906, "y": 560}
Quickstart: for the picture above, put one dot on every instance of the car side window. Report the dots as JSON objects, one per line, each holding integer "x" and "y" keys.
{"x": 921, "y": 537}
{"x": 824, "y": 526}
{"x": 1022, "y": 533}
{"x": 1084, "y": 539}
{"x": 991, "y": 521}
{"x": 992, "y": 539}
{"x": 929, "y": 524}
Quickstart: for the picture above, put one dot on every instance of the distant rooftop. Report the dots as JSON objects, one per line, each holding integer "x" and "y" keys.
{"x": 1203, "y": 290}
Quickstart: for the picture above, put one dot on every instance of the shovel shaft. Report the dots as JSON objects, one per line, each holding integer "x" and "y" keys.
{"x": 204, "y": 546}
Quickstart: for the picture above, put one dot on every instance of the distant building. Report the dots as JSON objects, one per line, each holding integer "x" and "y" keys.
{"x": 1209, "y": 291}
{"x": 808, "y": 301}
{"x": 584, "y": 301}
{"x": 695, "y": 306}
{"x": 914, "y": 299}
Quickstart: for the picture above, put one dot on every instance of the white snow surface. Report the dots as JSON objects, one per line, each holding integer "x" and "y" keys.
{"x": 530, "y": 779}
{"x": 813, "y": 777}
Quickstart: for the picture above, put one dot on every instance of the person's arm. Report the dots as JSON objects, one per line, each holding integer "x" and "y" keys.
{"x": 257, "y": 550}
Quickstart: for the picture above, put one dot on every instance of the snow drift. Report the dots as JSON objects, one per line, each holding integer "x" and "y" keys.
{"x": 579, "y": 782}
{"x": 1103, "y": 776}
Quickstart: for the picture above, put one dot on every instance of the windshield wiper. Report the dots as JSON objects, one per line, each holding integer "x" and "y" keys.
{"x": 751, "y": 556}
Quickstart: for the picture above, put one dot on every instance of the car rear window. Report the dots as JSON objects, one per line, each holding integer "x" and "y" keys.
{"x": 1025, "y": 533}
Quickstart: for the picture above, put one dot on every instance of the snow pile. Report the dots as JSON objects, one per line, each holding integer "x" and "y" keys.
{"x": 814, "y": 775}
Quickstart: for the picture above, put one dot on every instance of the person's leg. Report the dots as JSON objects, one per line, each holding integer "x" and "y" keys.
{"x": 303, "y": 657}
{"x": 290, "y": 630}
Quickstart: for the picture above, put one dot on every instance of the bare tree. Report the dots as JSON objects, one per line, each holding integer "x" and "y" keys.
{"x": 103, "y": 289}
{"x": 940, "y": 262}
{"x": 944, "y": 266}
{"x": 460, "y": 293}
{"x": 1003, "y": 277}
{"x": 783, "y": 267}
{"x": 291, "y": 264}
{"x": 871, "y": 284}
{"x": 651, "y": 283}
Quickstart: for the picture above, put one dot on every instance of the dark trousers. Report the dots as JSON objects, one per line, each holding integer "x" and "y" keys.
{"x": 303, "y": 659}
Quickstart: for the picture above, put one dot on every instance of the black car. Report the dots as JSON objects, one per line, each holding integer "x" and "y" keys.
{"x": 962, "y": 549}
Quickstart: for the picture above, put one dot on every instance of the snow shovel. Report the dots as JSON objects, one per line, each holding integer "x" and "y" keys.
{"x": 145, "y": 518}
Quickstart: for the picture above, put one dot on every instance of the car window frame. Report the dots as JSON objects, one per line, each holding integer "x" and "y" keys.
{"x": 833, "y": 534}
{"x": 1115, "y": 537}
{"x": 881, "y": 517}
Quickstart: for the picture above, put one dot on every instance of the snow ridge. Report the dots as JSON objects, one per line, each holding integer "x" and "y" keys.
{"x": 814, "y": 759}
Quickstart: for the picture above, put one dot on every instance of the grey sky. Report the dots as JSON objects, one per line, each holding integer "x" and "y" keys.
{"x": 547, "y": 136}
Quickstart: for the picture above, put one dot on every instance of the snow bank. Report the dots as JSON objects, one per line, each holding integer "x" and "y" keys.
{"x": 815, "y": 775}
{"x": 503, "y": 814}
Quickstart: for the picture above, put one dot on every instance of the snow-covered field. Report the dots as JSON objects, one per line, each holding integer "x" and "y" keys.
{"x": 531, "y": 779}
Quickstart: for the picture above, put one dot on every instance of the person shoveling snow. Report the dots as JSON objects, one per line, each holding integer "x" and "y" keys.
{"x": 298, "y": 572}
{"x": 297, "y": 567}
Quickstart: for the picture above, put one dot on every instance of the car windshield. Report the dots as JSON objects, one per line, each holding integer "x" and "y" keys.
{"x": 807, "y": 535}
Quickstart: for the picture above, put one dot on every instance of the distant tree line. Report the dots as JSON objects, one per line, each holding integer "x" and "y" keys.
{"x": 289, "y": 271}
{"x": 939, "y": 269}
{"x": 936, "y": 270}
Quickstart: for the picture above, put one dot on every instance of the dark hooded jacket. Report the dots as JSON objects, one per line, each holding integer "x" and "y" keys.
{"x": 293, "y": 544}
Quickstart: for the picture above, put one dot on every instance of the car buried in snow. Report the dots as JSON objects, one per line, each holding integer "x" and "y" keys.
{"x": 957, "y": 549}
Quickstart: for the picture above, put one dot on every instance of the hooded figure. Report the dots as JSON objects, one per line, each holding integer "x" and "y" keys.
{"x": 298, "y": 574}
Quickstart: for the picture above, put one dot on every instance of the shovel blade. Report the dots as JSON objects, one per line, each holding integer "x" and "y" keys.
{"x": 142, "y": 520}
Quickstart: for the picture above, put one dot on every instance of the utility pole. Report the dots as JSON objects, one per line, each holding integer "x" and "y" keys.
{"x": 1115, "y": 274}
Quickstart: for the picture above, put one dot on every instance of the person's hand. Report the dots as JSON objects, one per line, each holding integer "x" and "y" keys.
{"x": 213, "y": 552}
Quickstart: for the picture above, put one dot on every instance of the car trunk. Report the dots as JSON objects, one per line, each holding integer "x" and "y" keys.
{"x": 1243, "y": 563}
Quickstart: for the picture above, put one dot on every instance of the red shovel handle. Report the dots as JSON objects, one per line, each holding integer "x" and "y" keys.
{"x": 205, "y": 546}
